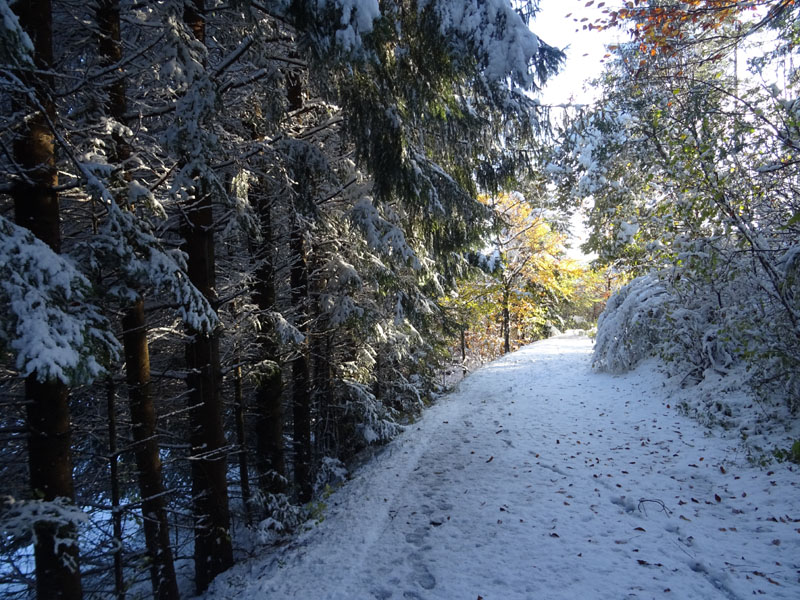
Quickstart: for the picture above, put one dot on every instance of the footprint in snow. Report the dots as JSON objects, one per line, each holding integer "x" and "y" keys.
{"x": 417, "y": 537}
{"x": 423, "y": 576}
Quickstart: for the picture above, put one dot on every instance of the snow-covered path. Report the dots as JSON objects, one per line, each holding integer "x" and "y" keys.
{"x": 541, "y": 479}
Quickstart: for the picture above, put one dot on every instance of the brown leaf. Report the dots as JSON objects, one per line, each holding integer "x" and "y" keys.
{"x": 717, "y": 498}
{"x": 491, "y": 458}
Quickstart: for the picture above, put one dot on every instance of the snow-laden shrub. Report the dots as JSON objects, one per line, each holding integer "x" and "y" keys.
{"x": 371, "y": 419}
{"x": 19, "y": 519}
{"x": 331, "y": 473}
{"x": 706, "y": 317}
{"x": 696, "y": 341}
{"x": 632, "y": 325}
{"x": 284, "y": 516}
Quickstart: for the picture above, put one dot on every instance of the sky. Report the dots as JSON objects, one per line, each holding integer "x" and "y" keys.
{"x": 558, "y": 24}
{"x": 584, "y": 49}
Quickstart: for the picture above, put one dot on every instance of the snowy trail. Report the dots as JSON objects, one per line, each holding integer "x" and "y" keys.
{"x": 541, "y": 479}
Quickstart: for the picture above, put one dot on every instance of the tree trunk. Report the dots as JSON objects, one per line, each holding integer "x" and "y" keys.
{"x": 301, "y": 394}
{"x": 50, "y": 461}
{"x": 48, "y": 418}
{"x": 137, "y": 356}
{"x": 271, "y": 460}
{"x": 116, "y": 512}
{"x": 109, "y": 41}
{"x": 241, "y": 442}
{"x": 148, "y": 463}
{"x": 464, "y": 350}
{"x": 376, "y": 386}
{"x": 213, "y": 552}
{"x": 326, "y": 434}
{"x": 506, "y": 323}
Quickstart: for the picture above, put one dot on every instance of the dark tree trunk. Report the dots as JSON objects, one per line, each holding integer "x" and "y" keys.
{"x": 50, "y": 460}
{"x": 301, "y": 394}
{"x": 109, "y": 40}
{"x": 326, "y": 425}
{"x": 116, "y": 512}
{"x": 148, "y": 463}
{"x": 376, "y": 386}
{"x": 137, "y": 356}
{"x": 213, "y": 552}
{"x": 271, "y": 461}
{"x": 48, "y": 419}
{"x": 301, "y": 380}
{"x": 506, "y": 323}
{"x": 241, "y": 442}
{"x": 464, "y": 349}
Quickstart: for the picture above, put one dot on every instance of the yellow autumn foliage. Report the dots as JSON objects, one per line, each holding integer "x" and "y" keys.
{"x": 527, "y": 286}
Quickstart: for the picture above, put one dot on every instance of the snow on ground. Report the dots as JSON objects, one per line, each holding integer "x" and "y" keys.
{"x": 539, "y": 478}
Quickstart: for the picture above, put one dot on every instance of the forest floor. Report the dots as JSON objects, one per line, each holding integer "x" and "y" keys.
{"x": 541, "y": 479}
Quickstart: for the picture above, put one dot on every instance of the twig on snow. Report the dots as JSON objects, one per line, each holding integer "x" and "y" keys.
{"x": 661, "y": 504}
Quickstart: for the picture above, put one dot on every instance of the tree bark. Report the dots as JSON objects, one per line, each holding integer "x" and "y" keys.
{"x": 213, "y": 552}
{"x": 271, "y": 460}
{"x": 137, "y": 356}
{"x": 50, "y": 461}
{"x": 301, "y": 394}
{"x": 464, "y": 350}
{"x": 48, "y": 418}
{"x": 113, "y": 463}
{"x": 506, "y": 323}
{"x": 148, "y": 463}
{"x": 241, "y": 442}
{"x": 326, "y": 434}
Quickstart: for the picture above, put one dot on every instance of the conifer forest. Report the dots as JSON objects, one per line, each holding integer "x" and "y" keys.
{"x": 243, "y": 243}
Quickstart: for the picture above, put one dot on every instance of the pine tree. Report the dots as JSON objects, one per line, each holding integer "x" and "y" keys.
{"x": 37, "y": 209}
{"x": 134, "y": 338}
{"x": 213, "y": 551}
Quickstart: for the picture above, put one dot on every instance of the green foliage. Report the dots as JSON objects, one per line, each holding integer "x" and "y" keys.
{"x": 692, "y": 172}
{"x": 792, "y": 454}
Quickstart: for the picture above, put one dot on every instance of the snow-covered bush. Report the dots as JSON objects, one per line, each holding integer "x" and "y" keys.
{"x": 632, "y": 325}
{"x": 284, "y": 516}
{"x": 331, "y": 473}
{"x": 20, "y": 519}
{"x": 715, "y": 319}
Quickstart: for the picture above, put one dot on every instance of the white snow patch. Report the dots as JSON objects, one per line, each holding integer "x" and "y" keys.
{"x": 540, "y": 478}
